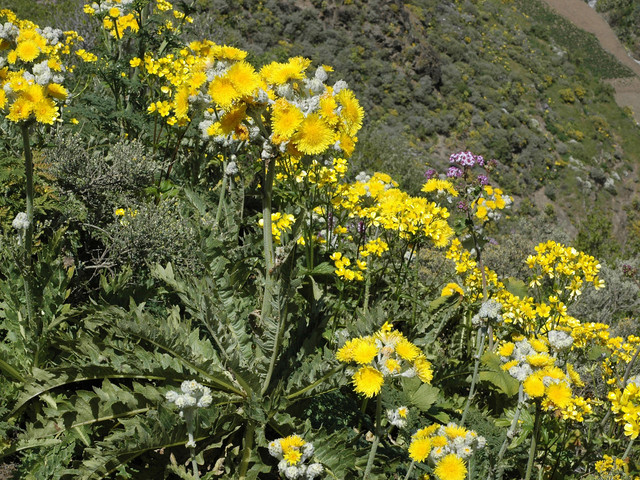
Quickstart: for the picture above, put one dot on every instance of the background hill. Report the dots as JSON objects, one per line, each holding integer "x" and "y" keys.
{"x": 507, "y": 79}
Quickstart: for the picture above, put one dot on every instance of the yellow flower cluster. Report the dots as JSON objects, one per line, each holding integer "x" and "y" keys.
{"x": 293, "y": 452}
{"x": 120, "y": 17}
{"x": 489, "y": 202}
{"x": 33, "y": 72}
{"x": 342, "y": 264}
{"x": 611, "y": 468}
{"x": 621, "y": 352}
{"x": 387, "y": 353}
{"x": 448, "y": 447}
{"x": 280, "y": 222}
{"x": 567, "y": 267}
{"x": 440, "y": 187}
{"x": 530, "y": 361}
{"x": 381, "y": 205}
{"x": 297, "y": 114}
{"x": 625, "y": 404}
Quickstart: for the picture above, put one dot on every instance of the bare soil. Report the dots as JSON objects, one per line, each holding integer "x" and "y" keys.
{"x": 627, "y": 90}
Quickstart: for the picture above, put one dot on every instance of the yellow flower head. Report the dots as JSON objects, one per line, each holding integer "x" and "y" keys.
{"x": 451, "y": 467}
{"x": 419, "y": 449}
{"x": 368, "y": 381}
{"x": 314, "y": 135}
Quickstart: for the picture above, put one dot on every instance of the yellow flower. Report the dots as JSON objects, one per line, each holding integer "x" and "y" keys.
{"x": 57, "y": 91}
{"x": 243, "y": 78}
{"x": 285, "y": 119}
{"x": 423, "y": 369}
{"x": 222, "y": 91}
{"x": 533, "y": 386}
{"x": 27, "y": 51}
{"x": 450, "y": 288}
{"x": 292, "y": 456}
{"x": 559, "y": 394}
{"x": 454, "y": 431}
{"x": 314, "y": 135}
{"x": 407, "y": 350}
{"x": 352, "y": 113}
{"x": 46, "y": 111}
{"x": 419, "y": 449}
{"x": 368, "y": 381}
{"x": 362, "y": 350}
{"x": 506, "y": 349}
{"x": 451, "y": 467}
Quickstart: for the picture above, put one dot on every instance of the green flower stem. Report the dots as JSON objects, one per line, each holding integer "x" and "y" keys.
{"x": 28, "y": 237}
{"x": 410, "y": 470}
{"x": 627, "y": 452}
{"x": 246, "y": 450}
{"x": 194, "y": 464}
{"x": 534, "y": 442}
{"x": 223, "y": 191}
{"x": 472, "y": 390}
{"x": 376, "y": 438}
{"x": 269, "y": 275}
{"x": 367, "y": 290}
{"x": 510, "y": 433}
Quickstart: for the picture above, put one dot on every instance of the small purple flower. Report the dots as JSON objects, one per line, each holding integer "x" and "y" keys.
{"x": 463, "y": 206}
{"x": 454, "y": 172}
{"x": 483, "y": 180}
{"x": 430, "y": 173}
{"x": 493, "y": 241}
{"x": 361, "y": 227}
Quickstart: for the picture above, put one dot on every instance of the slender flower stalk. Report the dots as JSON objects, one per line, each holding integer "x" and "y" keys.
{"x": 534, "y": 441}
{"x": 480, "y": 341}
{"x": 28, "y": 237}
{"x": 376, "y": 438}
{"x": 413, "y": 463}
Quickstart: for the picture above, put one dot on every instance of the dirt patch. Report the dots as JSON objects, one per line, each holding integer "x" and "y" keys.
{"x": 584, "y": 17}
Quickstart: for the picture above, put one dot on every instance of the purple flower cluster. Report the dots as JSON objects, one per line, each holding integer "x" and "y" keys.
{"x": 429, "y": 174}
{"x": 454, "y": 172}
{"x": 483, "y": 180}
{"x": 466, "y": 159}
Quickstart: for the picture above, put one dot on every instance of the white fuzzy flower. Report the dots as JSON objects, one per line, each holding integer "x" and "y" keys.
{"x": 560, "y": 339}
{"x": 21, "y": 222}
{"x": 339, "y": 85}
{"x": 314, "y": 470}
{"x": 292, "y": 472}
{"x": 275, "y": 449}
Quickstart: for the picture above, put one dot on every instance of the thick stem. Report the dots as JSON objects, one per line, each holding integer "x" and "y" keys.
{"x": 269, "y": 276}
{"x": 534, "y": 442}
{"x": 510, "y": 434}
{"x": 194, "y": 464}
{"x": 367, "y": 290}
{"x": 376, "y": 438}
{"x": 267, "y": 240}
{"x": 246, "y": 451}
{"x": 223, "y": 191}
{"x": 28, "y": 236}
{"x": 480, "y": 340}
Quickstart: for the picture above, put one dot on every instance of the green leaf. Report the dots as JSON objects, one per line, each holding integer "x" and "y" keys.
{"x": 496, "y": 376}
{"x": 424, "y": 397}
{"x": 516, "y": 287}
